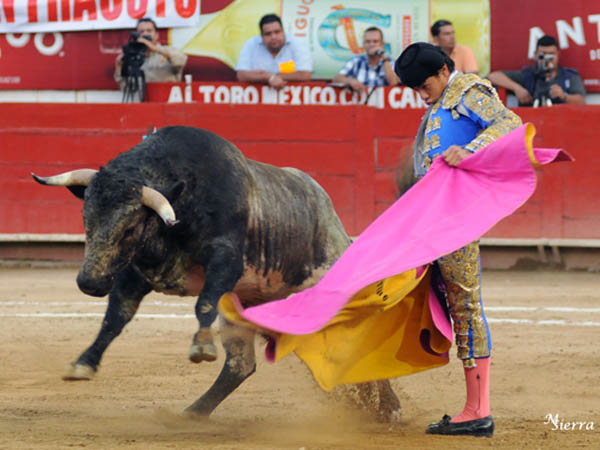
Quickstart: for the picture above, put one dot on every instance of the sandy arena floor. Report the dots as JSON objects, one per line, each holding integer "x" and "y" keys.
{"x": 546, "y": 361}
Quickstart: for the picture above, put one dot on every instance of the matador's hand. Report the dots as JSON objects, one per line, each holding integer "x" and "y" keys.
{"x": 455, "y": 154}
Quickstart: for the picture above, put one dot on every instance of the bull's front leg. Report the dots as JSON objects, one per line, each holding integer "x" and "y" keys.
{"x": 123, "y": 301}
{"x": 222, "y": 273}
{"x": 240, "y": 363}
{"x": 203, "y": 347}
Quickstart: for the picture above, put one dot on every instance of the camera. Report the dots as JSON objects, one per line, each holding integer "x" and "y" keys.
{"x": 543, "y": 67}
{"x": 544, "y": 64}
{"x": 134, "y": 55}
{"x": 135, "y": 35}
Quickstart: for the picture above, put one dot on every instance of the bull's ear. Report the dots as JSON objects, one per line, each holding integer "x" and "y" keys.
{"x": 77, "y": 191}
{"x": 175, "y": 191}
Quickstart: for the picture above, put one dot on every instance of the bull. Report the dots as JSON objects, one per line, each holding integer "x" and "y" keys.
{"x": 185, "y": 213}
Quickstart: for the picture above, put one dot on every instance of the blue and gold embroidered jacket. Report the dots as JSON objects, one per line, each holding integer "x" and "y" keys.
{"x": 469, "y": 114}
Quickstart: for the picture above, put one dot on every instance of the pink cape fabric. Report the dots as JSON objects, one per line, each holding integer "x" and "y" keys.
{"x": 447, "y": 209}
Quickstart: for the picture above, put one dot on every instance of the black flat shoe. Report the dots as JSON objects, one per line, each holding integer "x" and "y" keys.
{"x": 479, "y": 427}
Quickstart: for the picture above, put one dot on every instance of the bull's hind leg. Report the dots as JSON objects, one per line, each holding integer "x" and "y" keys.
{"x": 123, "y": 302}
{"x": 240, "y": 363}
{"x": 376, "y": 398}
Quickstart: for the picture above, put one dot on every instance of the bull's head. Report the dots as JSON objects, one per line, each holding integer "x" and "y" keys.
{"x": 114, "y": 216}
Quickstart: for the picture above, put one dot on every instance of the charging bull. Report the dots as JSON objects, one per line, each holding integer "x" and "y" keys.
{"x": 185, "y": 213}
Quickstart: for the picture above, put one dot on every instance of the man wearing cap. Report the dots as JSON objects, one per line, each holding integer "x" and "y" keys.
{"x": 464, "y": 115}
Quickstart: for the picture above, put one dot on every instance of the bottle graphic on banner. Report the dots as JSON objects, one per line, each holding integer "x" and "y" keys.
{"x": 471, "y": 20}
{"x": 345, "y": 18}
{"x": 335, "y": 28}
{"x": 332, "y": 29}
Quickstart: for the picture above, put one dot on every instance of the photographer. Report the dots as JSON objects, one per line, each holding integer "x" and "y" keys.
{"x": 371, "y": 69}
{"x": 545, "y": 83}
{"x": 143, "y": 59}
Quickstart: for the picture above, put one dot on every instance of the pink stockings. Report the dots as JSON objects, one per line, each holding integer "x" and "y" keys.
{"x": 478, "y": 392}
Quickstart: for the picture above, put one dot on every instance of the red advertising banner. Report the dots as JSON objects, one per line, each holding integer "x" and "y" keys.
{"x": 299, "y": 94}
{"x": 517, "y": 25}
{"x": 78, "y": 60}
{"x": 85, "y": 59}
{"x": 31, "y": 16}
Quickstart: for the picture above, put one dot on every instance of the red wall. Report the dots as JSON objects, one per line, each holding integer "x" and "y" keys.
{"x": 353, "y": 151}
{"x": 566, "y": 203}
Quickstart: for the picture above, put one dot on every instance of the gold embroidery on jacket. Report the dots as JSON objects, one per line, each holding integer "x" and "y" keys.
{"x": 430, "y": 159}
{"x": 479, "y": 96}
{"x": 434, "y": 123}
{"x": 460, "y": 85}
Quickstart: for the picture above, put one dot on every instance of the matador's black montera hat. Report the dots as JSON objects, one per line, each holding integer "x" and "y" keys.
{"x": 420, "y": 61}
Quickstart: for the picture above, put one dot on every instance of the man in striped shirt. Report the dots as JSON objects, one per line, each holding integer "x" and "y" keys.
{"x": 371, "y": 69}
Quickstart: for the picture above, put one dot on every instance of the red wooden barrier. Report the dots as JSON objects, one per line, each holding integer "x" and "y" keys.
{"x": 566, "y": 204}
{"x": 353, "y": 151}
{"x": 327, "y": 143}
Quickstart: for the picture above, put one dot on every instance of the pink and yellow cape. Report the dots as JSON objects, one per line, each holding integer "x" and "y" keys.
{"x": 374, "y": 315}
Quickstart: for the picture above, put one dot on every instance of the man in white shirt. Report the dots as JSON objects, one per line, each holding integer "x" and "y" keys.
{"x": 273, "y": 58}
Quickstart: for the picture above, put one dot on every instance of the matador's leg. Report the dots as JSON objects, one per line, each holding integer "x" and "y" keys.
{"x": 461, "y": 271}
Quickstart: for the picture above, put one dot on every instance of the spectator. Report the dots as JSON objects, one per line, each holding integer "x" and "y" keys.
{"x": 273, "y": 58}
{"x": 371, "y": 69}
{"x": 547, "y": 79}
{"x": 442, "y": 32}
{"x": 160, "y": 63}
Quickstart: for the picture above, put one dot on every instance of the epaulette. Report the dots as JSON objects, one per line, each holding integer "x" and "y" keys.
{"x": 461, "y": 84}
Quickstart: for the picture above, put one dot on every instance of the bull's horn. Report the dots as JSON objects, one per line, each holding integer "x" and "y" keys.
{"x": 159, "y": 203}
{"x": 79, "y": 177}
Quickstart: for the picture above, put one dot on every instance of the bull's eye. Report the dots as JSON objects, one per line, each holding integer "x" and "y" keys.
{"x": 128, "y": 233}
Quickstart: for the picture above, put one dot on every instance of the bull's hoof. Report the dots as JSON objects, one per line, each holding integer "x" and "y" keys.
{"x": 78, "y": 372}
{"x": 203, "y": 352}
{"x": 376, "y": 398}
{"x": 392, "y": 417}
{"x": 195, "y": 413}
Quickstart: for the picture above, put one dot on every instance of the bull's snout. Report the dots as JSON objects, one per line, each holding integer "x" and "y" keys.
{"x": 95, "y": 286}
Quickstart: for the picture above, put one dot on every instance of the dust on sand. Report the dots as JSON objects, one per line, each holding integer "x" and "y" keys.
{"x": 539, "y": 367}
